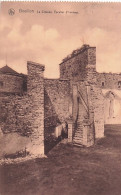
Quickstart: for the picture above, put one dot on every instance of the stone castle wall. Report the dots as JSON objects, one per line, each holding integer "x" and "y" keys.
{"x": 14, "y": 114}
{"x": 82, "y": 67}
{"x": 74, "y": 68}
{"x": 35, "y": 87}
{"x": 56, "y": 109}
{"x": 56, "y": 103}
{"x": 25, "y": 114}
{"x": 109, "y": 80}
{"x": 110, "y": 83}
{"x": 75, "y": 97}
{"x": 57, "y": 95}
{"x": 12, "y": 83}
{"x": 97, "y": 107}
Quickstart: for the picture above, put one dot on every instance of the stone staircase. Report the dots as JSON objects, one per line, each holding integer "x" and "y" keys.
{"x": 81, "y": 116}
{"x": 78, "y": 137}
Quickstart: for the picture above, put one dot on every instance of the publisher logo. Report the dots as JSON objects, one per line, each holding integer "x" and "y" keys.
{"x": 11, "y": 11}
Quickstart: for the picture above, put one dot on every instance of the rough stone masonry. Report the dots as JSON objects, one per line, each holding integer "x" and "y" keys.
{"x": 42, "y": 111}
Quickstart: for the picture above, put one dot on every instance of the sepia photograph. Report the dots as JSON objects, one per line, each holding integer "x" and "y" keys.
{"x": 60, "y": 98}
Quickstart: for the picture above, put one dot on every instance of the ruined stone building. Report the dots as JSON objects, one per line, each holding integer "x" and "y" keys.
{"x": 77, "y": 104}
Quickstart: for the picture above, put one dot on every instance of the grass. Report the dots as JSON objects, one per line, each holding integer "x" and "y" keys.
{"x": 69, "y": 170}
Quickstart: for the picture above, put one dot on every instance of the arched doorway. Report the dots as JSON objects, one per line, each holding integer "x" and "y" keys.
{"x": 112, "y": 108}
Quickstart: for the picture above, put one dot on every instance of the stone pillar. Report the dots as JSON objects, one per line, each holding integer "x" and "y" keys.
{"x": 35, "y": 88}
{"x": 88, "y": 133}
{"x": 91, "y": 74}
{"x": 97, "y": 110}
{"x": 70, "y": 130}
{"x": 85, "y": 135}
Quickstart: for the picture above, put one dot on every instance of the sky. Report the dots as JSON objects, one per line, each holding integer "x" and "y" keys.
{"x": 47, "y": 38}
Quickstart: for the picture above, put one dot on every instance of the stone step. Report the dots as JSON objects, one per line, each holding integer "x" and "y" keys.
{"x": 78, "y": 133}
{"x": 77, "y": 144}
{"x": 77, "y": 141}
{"x": 77, "y": 138}
{"x": 80, "y": 126}
{"x": 79, "y": 129}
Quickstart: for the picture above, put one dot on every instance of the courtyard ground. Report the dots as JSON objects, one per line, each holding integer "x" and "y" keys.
{"x": 69, "y": 170}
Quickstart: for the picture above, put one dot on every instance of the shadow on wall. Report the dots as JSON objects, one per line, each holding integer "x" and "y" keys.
{"x": 57, "y": 134}
{"x": 54, "y": 130}
{"x": 50, "y": 122}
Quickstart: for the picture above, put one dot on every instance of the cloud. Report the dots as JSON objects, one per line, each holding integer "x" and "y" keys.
{"x": 45, "y": 46}
{"x": 33, "y": 44}
{"x": 49, "y": 47}
{"x": 108, "y": 48}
